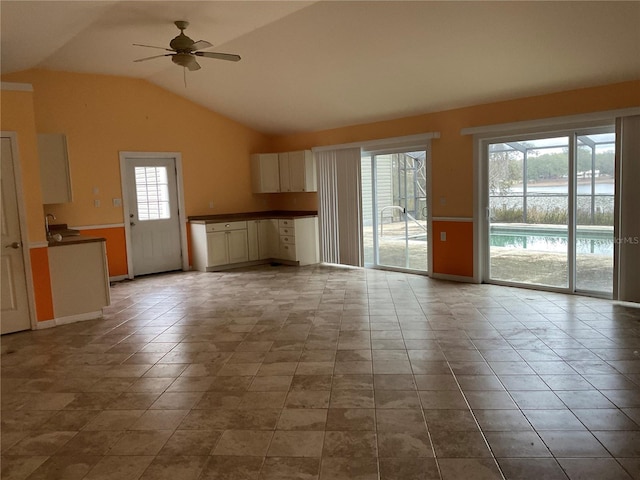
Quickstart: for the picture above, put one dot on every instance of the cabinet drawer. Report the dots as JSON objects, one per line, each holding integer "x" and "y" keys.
{"x": 285, "y": 222}
{"x": 225, "y": 227}
{"x": 288, "y": 239}
{"x": 287, "y": 251}
{"x": 287, "y": 231}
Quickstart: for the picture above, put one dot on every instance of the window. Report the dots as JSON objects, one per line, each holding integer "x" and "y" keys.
{"x": 152, "y": 191}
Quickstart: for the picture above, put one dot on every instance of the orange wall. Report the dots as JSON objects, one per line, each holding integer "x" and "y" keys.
{"x": 103, "y": 115}
{"x": 42, "y": 283}
{"x": 18, "y": 116}
{"x": 452, "y": 153}
{"x": 116, "y": 248}
{"x": 455, "y": 253}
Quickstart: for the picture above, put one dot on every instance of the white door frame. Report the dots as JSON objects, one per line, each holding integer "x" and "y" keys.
{"x": 22, "y": 217}
{"x": 177, "y": 158}
{"x": 481, "y": 207}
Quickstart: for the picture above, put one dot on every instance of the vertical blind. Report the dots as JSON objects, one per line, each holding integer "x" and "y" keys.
{"x": 628, "y": 235}
{"x": 339, "y": 206}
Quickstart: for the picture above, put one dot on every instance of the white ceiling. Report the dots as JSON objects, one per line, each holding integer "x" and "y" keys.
{"x": 316, "y": 65}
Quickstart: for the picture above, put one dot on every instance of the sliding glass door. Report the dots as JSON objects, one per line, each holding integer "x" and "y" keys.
{"x": 550, "y": 211}
{"x": 395, "y": 210}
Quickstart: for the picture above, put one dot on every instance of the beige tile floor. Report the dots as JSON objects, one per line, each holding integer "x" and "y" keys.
{"x": 326, "y": 373}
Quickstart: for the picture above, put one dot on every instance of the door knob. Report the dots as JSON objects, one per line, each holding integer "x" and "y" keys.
{"x": 13, "y": 245}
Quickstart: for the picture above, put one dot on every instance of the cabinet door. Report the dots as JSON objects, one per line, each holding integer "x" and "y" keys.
{"x": 297, "y": 171}
{"x": 237, "y": 246}
{"x": 268, "y": 239}
{"x": 217, "y": 249}
{"x": 253, "y": 240}
{"x": 54, "y": 168}
{"x": 265, "y": 173}
{"x": 285, "y": 182}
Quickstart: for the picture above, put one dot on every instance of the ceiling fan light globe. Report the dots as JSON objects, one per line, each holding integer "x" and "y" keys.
{"x": 182, "y": 59}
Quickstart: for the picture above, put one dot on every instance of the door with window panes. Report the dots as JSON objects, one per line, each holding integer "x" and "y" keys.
{"x": 153, "y": 215}
{"x": 550, "y": 211}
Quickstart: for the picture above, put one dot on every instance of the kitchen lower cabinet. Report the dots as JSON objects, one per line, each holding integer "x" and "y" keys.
{"x": 262, "y": 235}
{"x": 298, "y": 240}
{"x": 218, "y": 246}
{"x": 79, "y": 280}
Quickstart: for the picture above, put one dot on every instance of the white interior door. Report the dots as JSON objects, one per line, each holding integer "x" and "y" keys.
{"x": 13, "y": 283}
{"x": 153, "y": 215}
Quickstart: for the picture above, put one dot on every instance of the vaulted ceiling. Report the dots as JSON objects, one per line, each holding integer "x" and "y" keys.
{"x": 317, "y": 65}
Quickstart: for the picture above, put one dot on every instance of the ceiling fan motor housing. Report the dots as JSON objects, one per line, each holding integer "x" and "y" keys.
{"x": 181, "y": 43}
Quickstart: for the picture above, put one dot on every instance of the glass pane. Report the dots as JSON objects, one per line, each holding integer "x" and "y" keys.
{"x": 367, "y": 210}
{"x": 594, "y": 212}
{"x": 152, "y": 192}
{"x": 392, "y": 245}
{"x": 528, "y": 211}
{"x": 416, "y": 172}
{"x": 401, "y": 209}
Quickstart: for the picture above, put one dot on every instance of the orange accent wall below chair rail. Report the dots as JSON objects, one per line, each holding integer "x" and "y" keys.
{"x": 453, "y": 256}
{"x": 41, "y": 283}
{"x": 116, "y": 248}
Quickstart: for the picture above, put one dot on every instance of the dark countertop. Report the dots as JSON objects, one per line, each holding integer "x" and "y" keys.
{"x": 236, "y": 217}
{"x": 75, "y": 240}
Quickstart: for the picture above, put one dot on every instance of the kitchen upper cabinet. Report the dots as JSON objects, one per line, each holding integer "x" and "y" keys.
{"x": 265, "y": 173}
{"x": 297, "y": 171}
{"x": 55, "y": 176}
{"x": 283, "y": 172}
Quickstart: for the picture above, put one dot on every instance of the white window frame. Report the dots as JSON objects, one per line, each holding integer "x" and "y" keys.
{"x": 483, "y": 136}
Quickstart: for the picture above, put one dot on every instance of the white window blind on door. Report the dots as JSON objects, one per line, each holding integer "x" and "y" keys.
{"x": 339, "y": 206}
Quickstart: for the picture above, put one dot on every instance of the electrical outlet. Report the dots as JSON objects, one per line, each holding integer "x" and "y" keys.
{"x": 117, "y": 202}
{"x": 443, "y": 236}
{"x": 96, "y": 203}
{"x": 210, "y": 203}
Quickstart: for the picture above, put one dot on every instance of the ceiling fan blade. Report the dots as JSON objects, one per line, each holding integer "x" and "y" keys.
{"x": 152, "y": 46}
{"x": 192, "y": 64}
{"x": 200, "y": 44}
{"x": 151, "y": 58}
{"x": 220, "y": 56}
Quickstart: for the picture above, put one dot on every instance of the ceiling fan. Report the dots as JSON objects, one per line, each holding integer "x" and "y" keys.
{"x": 185, "y": 50}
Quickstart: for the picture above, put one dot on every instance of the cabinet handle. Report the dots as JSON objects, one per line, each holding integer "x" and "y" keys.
{"x": 227, "y": 225}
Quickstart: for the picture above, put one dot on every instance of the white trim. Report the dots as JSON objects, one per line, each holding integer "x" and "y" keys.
{"x": 38, "y": 245}
{"x": 481, "y": 255}
{"x": 22, "y": 218}
{"x": 118, "y": 278}
{"x": 45, "y": 324}
{"x": 78, "y": 318}
{"x": 567, "y": 121}
{"x": 453, "y": 278}
{"x": 81, "y": 317}
{"x": 452, "y": 219}
{"x": 177, "y": 158}
{"x": 98, "y": 227}
{"x": 385, "y": 143}
{"x": 16, "y": 87}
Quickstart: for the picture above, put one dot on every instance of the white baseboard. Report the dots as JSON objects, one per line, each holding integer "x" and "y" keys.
{"x": 453, "y": 278}
{"x": 68, "y": 319}
{"x": 45, "y": 324}
{"x": 118, "y": 278}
